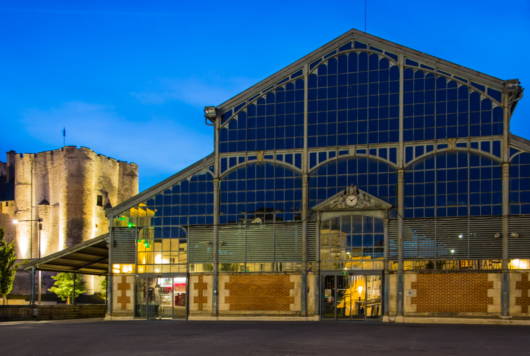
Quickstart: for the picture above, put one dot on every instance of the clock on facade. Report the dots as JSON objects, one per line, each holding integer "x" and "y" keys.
{"x": 351, "y": 200}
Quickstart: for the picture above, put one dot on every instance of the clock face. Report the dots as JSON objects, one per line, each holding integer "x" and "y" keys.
{"x": 351, "y": 200}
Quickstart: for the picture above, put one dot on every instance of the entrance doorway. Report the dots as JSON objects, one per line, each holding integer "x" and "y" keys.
{"x": 351, "y": 296}
{"x": 161, "y": 297}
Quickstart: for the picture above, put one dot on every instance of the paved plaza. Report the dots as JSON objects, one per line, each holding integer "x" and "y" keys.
{"x": 96, "y": 337}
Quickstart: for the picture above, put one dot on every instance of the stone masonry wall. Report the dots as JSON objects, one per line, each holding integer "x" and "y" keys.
{"x": 200, "y": 298}
{"x": 63, "y": 186}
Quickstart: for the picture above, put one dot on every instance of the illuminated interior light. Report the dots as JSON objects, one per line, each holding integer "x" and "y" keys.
{"x": 519, "y": 264}
{"x": 452, "y": 251}
{"x": 179, "y": 280}
{"x": 125, "y": 268}
{"x": 115, "y": 268}
{"x": 460, "y": 236}
{"x": 15, "y": 221}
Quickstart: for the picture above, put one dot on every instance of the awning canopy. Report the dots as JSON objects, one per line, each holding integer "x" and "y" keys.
{"x": 88, "y": 257}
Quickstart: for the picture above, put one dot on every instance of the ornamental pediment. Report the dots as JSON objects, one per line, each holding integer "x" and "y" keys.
{"x": 352, "y": 198}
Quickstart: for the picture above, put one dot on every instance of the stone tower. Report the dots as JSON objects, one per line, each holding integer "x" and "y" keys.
{"x": 59, "y": 197}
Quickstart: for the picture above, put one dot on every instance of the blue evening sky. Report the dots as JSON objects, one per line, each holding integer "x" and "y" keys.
{"x": 129, "y": 78}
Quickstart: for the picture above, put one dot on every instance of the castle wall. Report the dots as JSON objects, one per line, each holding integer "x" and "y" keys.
{"x": 62, "y": 187}
{"x": 7, "y": 210}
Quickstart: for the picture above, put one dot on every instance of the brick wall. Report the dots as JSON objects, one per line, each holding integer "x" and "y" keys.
{"x": 452, "y": 293}
{"x": 259, "y": 293}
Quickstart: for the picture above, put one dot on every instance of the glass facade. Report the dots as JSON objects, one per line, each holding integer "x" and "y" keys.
{"x": 352, "y": 115}
{"x": 161, "y": 223}
{"x": 350, "y": 239}
{"x": 375, "y": 177}
{"x": 520, "y": 184}
{"x": 453, "y": 184}
{"x": 436, "y": 107}
{"x": 264, "y": 191}
{"x": 189, "y": 202}
{"x": 361, "y": 181}
{"x": 272, "y": 122}
{"x": 353, "y": 99}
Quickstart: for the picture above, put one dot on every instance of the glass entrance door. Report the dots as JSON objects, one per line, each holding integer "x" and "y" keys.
{"x": 161, "y": 297}
{"x": 351, "y": 296}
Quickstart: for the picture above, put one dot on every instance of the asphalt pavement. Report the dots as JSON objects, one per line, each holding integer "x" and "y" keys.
{"x": 167, "y": 337}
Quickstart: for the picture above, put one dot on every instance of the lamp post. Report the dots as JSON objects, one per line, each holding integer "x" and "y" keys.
{"x": 39, "y": 220}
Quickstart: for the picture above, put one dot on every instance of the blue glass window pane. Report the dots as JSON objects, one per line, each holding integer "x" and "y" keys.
{"x": 453, "y": 184}
{"x": 375, "y": 177}
{"x": 520, "y": 184}
{"x": 358, "y": 80}
{"x": 187, "y": 202}
{"x": 268, "y": 192}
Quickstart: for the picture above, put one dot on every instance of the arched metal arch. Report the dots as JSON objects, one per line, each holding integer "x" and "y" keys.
{"x": 190, "y": 177}
{"x": 271, "y": 161}
{"x": 183, "y": 228}
{"x": 456, "y": 149}
{"x": 517, "y": 154}
{"x": 458, "y": 81}
{"x": 379, "y": 54}
{"x": 357, "y": 155}
{"x": 261, "y": 95}
{"x": 206, "y": 170}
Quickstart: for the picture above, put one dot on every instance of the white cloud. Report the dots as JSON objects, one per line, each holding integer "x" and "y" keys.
{"x": 157, "y": 145}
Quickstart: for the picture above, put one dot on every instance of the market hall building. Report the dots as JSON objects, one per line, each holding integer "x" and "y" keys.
{"x": 365, "y": 180}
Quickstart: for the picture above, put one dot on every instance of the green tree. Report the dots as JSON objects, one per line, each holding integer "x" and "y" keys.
{"x": 103, "y": 287}
{"x": 63, "y": 286}
{"x": 7, "y": 267}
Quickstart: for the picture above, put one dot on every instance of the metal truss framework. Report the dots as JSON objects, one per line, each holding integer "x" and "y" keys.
{"x": 400, "y": 155}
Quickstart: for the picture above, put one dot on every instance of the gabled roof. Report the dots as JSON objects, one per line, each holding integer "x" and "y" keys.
{"x": 196, "y": 167}
{"x": 382, "y": 44}
{"x": 361, "y": 200}
{"x": 520, "y": 142}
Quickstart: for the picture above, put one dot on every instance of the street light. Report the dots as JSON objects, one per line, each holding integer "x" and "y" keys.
{"x": 16, "y": 221}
